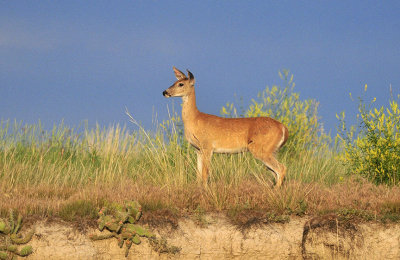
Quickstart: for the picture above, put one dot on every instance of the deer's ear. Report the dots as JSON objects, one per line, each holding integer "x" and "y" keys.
{"x": 179, "y": 74}
{"x": 191, "y": 78}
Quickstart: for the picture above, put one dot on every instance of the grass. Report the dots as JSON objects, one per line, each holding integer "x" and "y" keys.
{"x": 70, "y": 173}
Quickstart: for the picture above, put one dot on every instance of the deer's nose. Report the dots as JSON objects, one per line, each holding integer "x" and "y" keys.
{"x": 165, "y": 93}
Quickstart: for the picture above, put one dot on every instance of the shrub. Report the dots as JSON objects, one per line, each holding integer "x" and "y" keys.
{"x": 285, "y": 105}
{"x": 372, "y": 149}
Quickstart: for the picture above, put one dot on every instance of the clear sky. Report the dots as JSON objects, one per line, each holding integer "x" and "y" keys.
{"x": 88, "y": 60}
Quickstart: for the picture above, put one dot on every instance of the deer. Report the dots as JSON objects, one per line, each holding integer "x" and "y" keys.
{"x": 208, "y": 134}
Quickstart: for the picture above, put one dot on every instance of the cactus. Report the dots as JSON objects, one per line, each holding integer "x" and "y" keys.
{"x": 135, "y": 229}
{"x": 136, "y": 211}
{"x": 26, "y": 250}
{"x": 19, "y": 240}
{"x": 18, "y": 224}
{"x": 10, "y": 238}
{"x": 103, "y": 220}
{"x": 119, "y": 221}
{"x": 128, "y": 246}
{"x": 136, "y": 240}
{"x": 120, "y": 242}
{"x": 2, "y": 226}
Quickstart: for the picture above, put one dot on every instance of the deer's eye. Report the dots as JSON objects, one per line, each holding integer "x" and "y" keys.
{"x": 181, "y": 84}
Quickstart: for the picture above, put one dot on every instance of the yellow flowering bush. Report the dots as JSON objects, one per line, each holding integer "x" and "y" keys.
{"x": 372, "y": 150}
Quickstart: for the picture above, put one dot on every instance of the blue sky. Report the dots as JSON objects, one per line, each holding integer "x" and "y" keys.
{"x": 88, "y": 60}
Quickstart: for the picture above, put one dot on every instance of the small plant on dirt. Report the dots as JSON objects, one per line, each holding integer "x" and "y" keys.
{"x": 120, "y": 221}
{"x": 200, "y": 217}
{"x": 161, "y": 246}
{"x": 391, "y": 211}
{"x": 10, "y": 238}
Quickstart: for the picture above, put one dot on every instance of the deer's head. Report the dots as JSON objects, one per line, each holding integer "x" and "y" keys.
{"x": 182, "y": 87}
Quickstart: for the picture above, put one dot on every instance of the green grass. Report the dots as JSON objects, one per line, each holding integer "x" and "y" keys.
{"x": 69, "y": 173}
{"x": 62, "y": 157}
{"x": 78, "y": 209}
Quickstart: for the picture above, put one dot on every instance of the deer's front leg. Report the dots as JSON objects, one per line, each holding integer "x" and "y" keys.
{"x": 203, "y": 164}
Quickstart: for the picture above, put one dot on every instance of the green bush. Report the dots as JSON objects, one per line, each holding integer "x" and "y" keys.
{"x": 285, "y": 105}
{"x": 372, "y": 149}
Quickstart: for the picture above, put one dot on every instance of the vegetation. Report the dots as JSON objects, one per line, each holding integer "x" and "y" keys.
{"x": 71, "y": 173}
{"x": 285, "y": 105}
{"x": 10, "y": 238}
{"x": 120, "y": 222}
{"x": 308, "y": 151}
{"x": 373, "y": 149}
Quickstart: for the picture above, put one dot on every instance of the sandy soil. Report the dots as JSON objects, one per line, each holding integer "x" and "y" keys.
{"x": 301, "y": 238}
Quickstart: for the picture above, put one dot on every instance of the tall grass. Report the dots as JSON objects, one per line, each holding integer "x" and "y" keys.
{"x": 69, "y": 157}
{"x": 41, "y": 170}
{"x": 121, "y": 160}
{"x": 309, "y": 152}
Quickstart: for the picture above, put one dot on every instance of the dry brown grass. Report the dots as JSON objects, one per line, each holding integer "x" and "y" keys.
{"x": 247, "y": 203}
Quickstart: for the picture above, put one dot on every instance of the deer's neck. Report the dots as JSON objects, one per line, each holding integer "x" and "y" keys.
{"x": 189, "y": 108}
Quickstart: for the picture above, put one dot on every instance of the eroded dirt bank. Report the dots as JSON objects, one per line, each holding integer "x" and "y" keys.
{"x": 306, "y": 238}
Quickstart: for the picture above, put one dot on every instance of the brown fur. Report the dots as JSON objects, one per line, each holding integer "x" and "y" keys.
{"x": 262, "y": 136}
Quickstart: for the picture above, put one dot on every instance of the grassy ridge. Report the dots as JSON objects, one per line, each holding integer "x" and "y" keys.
{"x": 69, "y": 173}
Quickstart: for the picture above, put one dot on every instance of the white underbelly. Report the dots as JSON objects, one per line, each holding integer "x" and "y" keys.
{"x": 230, "y": 150}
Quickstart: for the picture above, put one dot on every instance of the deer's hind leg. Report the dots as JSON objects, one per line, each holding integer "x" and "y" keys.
{"x": 266, "y": 154}
{"x": 278, "y": 168}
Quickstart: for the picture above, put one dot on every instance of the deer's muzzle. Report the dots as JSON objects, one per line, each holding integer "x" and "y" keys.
{"x": 165, "y": 94}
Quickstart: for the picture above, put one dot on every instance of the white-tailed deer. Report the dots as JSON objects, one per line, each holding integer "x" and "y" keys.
{"x": 209, "y": 134}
